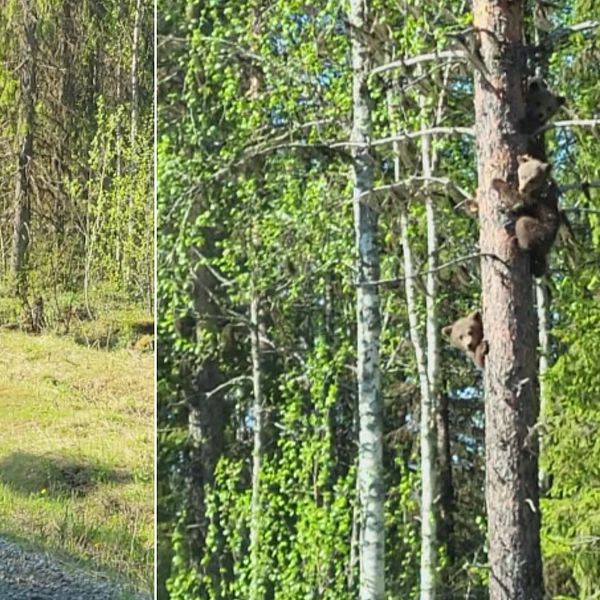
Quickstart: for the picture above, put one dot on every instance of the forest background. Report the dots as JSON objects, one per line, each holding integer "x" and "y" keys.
{"x": 77, "y": 270}
{"x": 258, "y": 405}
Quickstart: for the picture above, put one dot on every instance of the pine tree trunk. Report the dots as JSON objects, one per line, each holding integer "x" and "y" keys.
{"x": 28, "y": 81}
{"x": 370, "y": 408}
{"x": 511, "y": 394}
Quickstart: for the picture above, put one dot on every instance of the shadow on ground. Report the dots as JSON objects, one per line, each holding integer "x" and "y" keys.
{"x": 54, "y": 475}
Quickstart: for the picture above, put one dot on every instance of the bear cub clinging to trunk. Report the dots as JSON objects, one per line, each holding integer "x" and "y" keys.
{"x": 537, "y": 215}
{"x": 540, "y": 106}
{"x": 467, "y": 335}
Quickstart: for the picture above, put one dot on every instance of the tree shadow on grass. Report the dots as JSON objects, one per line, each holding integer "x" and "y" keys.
{"x": 55, "y": 475}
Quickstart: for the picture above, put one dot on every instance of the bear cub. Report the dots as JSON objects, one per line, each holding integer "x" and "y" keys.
{"x": 537, "y": 215}
{"x": 540, "y": 106}
{"x": 533, "y": 174}
{"x": 466, "y": 334}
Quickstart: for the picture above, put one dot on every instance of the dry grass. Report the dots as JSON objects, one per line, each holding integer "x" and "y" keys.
{"x": 76, "y": 451}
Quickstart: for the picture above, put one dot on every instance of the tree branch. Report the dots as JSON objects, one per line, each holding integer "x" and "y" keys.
{"x": 558, "y": 34}
{"x": 410, "y": 181}
{"x": 436, "y": 56}
{"x": 227, "y": 384}
{"x": 451, "y": 263}
{"x": 582, "y": 186}
{"x": 569, "y": 123}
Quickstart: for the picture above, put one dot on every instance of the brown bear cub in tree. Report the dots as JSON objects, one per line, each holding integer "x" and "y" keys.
{"x": 537, "y": 214}
{"x": 467, "y": 335}
{"x": 540, "y": 106}
{"x": 533, "y": 174}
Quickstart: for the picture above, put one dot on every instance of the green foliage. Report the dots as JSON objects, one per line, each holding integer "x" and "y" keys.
{"x": 253, "y": 203}
{"x": 92, "y": 185}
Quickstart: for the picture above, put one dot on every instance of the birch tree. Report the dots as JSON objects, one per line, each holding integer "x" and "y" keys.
{"x": 370, "y": 471}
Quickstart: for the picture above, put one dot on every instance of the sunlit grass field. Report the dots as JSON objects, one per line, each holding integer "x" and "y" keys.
{"x": 76, "y": 452}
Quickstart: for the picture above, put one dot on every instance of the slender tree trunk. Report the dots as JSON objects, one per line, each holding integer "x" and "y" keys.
{"x": 543, "y": 318}
{"x": 134, "y": 118}
{"x": 135, "y": 59}
{"x": 511, "y": 395}
{"x": 445, "y": 513}
{"x": 370, "y": 408}
{"x": 429, "y": 541}
{"x": 23, "y": 191}
{"x": 427, "y": 369}
{"x": 257, "y": 451}
{"x": 119, "y": 144}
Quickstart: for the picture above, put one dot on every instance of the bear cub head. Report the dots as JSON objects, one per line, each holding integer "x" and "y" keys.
{"x": 533, "y": 174}
{"x": 540, "y": 105}
{"x": 467, "y": 334}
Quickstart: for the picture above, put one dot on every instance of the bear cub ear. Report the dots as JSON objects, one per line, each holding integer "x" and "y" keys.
{"x": 476, "y": 314}
{"x": 447, "y": 330}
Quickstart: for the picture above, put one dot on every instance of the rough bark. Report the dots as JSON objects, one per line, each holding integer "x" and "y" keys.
{"x": 207, "y": 418}
{"x": 23, "y": 190}
{"x": 370, "y": 408}
{"x": 511, "y": 395}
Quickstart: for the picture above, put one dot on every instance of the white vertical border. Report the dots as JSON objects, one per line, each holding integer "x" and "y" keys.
{"x": 155, "y": 199}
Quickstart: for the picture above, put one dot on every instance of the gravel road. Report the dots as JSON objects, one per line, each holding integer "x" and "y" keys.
{"x": 34, "y": 576}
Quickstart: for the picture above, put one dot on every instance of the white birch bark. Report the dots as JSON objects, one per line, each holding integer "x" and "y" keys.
{"x": 370, "y": 468}
{"x": 543, "y": 318}
{"x": 429, "y": 542}
{"x": 257, "y": 418}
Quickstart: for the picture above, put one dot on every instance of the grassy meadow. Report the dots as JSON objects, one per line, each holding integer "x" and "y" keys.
{"x": 76, "y": 452}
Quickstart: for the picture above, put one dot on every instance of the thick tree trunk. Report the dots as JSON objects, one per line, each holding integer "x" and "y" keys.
{"x": 511, "y": 395}
{"x": 23, "y": 191}
{"x": 370, "y": 407}
{"x": 208, "y": 414}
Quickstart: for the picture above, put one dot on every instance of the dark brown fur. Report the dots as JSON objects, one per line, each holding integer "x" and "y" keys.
{"x": 540, "y": 105}
{"x": 536, "y": 227}
{"x": 467, "y": 335}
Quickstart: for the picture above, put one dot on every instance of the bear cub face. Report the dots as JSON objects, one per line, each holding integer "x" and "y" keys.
{"x": 467, "y": 335}
{"x": 533, "y": 174}
{"x": 540, "y": 105}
